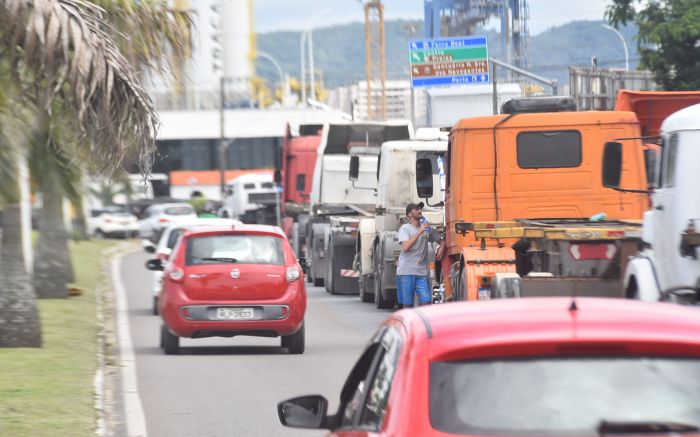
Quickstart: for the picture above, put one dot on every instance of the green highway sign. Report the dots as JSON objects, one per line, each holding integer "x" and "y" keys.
{"x": 449, "y": 61}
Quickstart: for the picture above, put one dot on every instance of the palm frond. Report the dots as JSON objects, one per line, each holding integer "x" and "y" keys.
{"x": 65, "y": 48}
{"x": 150, "y": 33}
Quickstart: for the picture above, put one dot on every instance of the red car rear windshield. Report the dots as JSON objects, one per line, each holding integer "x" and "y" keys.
{"x": 243, "y": 249}
{"x": 566, "y": 396}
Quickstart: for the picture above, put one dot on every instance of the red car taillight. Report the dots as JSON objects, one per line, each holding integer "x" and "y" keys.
{"x": 163, "y": 220}
{"x": 292, "y": 274}
{"x": 176, "y": 274}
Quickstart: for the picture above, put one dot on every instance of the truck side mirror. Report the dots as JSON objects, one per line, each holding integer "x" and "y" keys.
{"x": 354, "y": 167}
{"x": 277, "y": 178}
{"x": 612, "y": 164}
{"x": 651, "y": 157}
{"x": 424, "y": 178}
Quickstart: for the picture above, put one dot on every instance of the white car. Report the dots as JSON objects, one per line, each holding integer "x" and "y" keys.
{"x": 156, "y": 217}
{"x": 112, "y": 222}
{"x": 167, "y": 240}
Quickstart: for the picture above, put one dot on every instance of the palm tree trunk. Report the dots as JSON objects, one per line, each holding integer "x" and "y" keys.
{"x": 52, "y": 265}
{"x": 79, "y": 223}
{"x": 20, "y": 325}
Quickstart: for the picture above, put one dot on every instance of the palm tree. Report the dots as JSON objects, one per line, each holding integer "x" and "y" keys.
{"x": 60, "y": 51}
{"x": 164, "y": 33}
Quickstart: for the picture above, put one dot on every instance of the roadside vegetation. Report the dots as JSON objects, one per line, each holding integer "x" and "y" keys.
{"x": 49, "y": 391}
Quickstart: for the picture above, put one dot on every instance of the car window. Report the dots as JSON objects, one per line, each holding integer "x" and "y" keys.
{"x": 243, "y": 249}
{"x": 380, "y": 384}
{"x": 353, "y": 392}
{"x": 179, "y": 210}
{"x": 172, "y": 238}
{"x": 562, "y": 396}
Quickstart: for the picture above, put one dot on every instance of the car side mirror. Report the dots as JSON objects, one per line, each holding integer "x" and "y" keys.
{"x": 303, "y": 412}
{"x": 424, "y": 178}
{"x": 354, "y": 167}
{"x": 155, "y": 265}
{"x": 612, "y": 164}
{"x": 304, "y": 263}
{"x": 148, "y": 246}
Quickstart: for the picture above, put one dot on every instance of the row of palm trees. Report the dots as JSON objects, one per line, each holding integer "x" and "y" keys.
{"x": 71, "y": 106}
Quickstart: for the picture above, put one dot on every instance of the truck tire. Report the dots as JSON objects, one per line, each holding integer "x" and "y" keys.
{"x": 328, "y": 281}
{"x": 380, "y": 299}
{"x": 366, "y": 284}
{"x": 460, "y": 290}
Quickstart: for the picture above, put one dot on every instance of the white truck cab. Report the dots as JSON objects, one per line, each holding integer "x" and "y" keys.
{"x": 338, "y": 202}
{"x": 251, "y": 198}
{"x": 399, "y": 184}
{"x": 669, "y": 254}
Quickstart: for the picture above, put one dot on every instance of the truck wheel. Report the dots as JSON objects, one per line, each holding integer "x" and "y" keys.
{"x": 329, "y": 282}
{"x": 295, "y": 343}
{"x": 460, "y": 291}
{"x": 380, "y": 299}
{"x": 170, "y": 342}
{"x": 366, "y": 284}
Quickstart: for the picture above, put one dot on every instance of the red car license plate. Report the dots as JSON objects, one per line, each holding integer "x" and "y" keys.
{"x": 234, "y": 313}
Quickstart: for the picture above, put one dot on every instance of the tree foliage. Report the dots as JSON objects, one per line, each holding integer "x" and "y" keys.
{"x": 64, "y": 49}
{"x": 668, "y": 38}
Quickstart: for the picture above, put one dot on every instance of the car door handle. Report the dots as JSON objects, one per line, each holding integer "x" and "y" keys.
{"x": 659, "y": 207}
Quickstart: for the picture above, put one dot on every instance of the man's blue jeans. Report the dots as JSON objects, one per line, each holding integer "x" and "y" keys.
{"x": 407, "y": 285}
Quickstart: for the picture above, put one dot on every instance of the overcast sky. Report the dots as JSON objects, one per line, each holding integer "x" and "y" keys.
{"x": 271, "y": 15}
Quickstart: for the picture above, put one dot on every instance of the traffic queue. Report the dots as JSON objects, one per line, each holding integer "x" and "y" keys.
{"x": 477, "y": 220}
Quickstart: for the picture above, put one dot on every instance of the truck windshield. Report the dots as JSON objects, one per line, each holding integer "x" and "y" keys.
{"x": 564, "y": 396}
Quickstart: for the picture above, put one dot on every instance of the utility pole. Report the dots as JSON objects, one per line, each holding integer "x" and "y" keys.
{"x": 222, "y": 138}
{"x": 375, "y": 65}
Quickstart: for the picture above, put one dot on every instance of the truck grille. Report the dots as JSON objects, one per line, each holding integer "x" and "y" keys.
{"x": 264, "y": 198}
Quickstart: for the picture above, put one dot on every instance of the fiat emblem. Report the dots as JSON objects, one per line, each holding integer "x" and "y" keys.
{"x": 235, "y": 273}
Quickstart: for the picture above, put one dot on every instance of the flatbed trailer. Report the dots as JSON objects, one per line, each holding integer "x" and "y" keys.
{"x": 556, "y": 257}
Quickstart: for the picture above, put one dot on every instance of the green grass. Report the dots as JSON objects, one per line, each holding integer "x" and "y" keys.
{"x": 48, "y": 391}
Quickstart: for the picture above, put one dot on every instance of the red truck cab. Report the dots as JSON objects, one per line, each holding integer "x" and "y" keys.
{"x": 299, "y": 151}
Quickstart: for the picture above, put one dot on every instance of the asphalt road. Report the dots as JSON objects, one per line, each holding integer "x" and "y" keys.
{"x": 230, "y": 387}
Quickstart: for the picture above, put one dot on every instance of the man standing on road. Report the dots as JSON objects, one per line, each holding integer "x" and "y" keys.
{"x": 412, "y": 273}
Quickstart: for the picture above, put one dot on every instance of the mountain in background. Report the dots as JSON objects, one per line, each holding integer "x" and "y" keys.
{"x": 339, "y": 51}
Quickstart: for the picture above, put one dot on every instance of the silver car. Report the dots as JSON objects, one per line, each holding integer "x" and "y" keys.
{"x": 156, "y": 217}
{"x": 167, "y": 240}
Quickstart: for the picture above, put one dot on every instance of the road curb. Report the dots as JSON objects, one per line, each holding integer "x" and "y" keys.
{"x": 117, "y": 403}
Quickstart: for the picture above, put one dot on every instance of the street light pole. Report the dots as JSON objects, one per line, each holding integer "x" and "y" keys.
{"x": 222, "y": 139}
{"x": 277, "y": 66}
{"x": 302, "y": 60}
{"x": 624, "y": 44}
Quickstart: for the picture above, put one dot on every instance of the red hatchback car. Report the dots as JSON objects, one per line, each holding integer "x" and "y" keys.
{"x": 521, "y": 367}
{"x": 223, "y": 282}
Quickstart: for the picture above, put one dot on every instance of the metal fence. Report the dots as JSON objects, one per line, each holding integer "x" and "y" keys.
{"x": 596, "y": 88}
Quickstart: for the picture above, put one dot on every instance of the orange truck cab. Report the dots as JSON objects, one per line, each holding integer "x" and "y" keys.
{"x": 531, "y": 163}
{"x": 652, "y": 108}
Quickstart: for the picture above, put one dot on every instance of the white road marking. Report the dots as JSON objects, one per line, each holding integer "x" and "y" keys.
{"x": 133, "y": 409}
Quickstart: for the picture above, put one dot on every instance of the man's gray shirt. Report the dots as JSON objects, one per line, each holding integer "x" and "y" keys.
{"x": 415, "y": 260}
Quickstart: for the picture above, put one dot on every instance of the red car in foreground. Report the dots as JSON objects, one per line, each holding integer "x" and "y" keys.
{"x": 228, "y": 281}
{"x": 521, "y": 367}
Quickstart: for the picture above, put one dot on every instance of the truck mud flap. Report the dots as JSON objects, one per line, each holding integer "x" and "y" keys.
{"x": 345, "y": 278}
